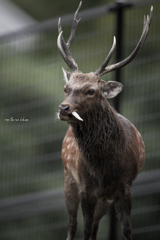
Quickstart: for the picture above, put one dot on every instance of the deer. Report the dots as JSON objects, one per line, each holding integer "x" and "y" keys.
{"x": 102, "y": 151}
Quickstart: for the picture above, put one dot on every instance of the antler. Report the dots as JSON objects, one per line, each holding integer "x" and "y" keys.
{"x": 63, "y": 47}
{"x": 103, "y": 69}
{"x": 108, "y": 58}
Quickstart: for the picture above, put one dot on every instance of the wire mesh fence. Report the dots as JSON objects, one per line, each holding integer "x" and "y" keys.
{"x": 32, "y": 201}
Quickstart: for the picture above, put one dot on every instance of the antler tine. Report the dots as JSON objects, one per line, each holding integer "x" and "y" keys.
{"x": 63, "y": 47}
{"x": 59, "y": 31}
{"x": 106, "y": 61}
{"x": 142, "y": 39}
{"x": 151, "y": 14}
{"x": 74, "y": 25}
{"x": 66, "y": 54}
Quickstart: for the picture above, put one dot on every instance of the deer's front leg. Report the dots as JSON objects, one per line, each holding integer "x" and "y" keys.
{"x": 101, "y": 209}
{"x": 123, "y": 208}
{"x": 88, "y": 204}
{"x": 72, "y": 203}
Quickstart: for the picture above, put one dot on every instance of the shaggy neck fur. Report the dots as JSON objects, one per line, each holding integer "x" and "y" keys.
{"x": 99, "y": 138}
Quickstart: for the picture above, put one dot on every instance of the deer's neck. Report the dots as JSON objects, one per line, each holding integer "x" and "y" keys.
{"x": 100, "y": 137}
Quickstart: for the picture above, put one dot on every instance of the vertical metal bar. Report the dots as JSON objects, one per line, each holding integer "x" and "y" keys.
{"x": 112, "y": 224}
{"x": 118, "y": 8}
{"x": 119, "y": 36}
{"x": 119, "y": 49}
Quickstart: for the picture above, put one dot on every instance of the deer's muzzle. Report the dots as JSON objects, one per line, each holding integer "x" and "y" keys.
{"x": 63, "y": 109}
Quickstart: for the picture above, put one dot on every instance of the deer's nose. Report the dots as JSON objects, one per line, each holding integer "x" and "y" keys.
{"x": 64, "y": 108}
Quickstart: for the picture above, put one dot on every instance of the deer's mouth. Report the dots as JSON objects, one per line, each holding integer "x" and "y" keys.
{"x": 65, "y": 117}
{"x": 70, "y": 117}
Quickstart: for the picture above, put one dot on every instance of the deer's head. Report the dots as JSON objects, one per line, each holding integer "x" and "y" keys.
{"x": 84, "y": 91}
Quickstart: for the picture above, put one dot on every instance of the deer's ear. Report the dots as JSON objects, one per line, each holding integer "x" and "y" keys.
{"x": 66, "y": 75}
{"x": 110, "y": 89}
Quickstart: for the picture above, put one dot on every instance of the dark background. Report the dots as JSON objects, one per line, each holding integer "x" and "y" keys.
{"x": 46, "y": 9}
{"x": 31, "y": 180}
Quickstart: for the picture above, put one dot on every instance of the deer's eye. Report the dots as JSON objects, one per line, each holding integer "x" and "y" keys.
{"x": 91, "y": 92}
{"x": 65, "y": 90}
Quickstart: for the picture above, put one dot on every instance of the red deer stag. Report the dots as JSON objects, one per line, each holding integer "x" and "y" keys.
{"x": 102, "y": 151}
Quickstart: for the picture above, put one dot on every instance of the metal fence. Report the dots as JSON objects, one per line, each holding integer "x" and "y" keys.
{"x": 32, "y": 201}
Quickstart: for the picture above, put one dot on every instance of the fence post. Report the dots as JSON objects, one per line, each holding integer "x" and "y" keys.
{"x": 118, "y": 7}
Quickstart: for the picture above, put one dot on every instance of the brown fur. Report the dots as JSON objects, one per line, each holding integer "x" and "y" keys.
{"x": 101, "y": 156}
